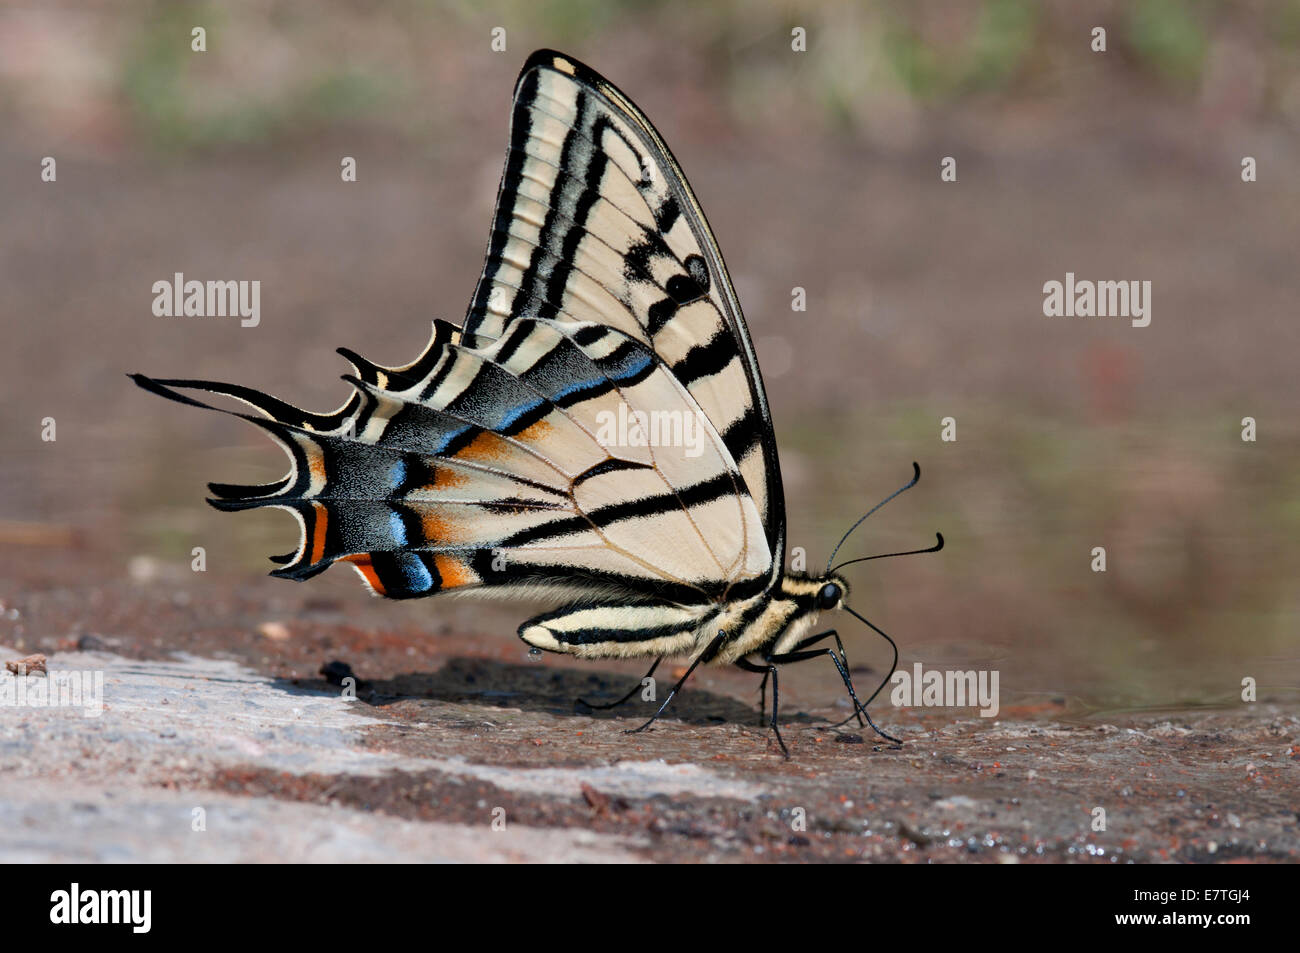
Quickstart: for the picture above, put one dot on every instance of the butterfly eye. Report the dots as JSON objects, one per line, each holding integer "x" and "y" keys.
{"x": 830, "y": 596}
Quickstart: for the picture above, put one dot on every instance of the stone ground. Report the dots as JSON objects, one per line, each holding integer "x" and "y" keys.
{"x": 463, "y": 749}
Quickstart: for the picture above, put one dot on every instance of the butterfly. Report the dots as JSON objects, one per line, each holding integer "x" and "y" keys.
{"x": 596, "y": 432}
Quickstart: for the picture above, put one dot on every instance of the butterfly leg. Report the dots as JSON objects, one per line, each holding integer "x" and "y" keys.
{"x": 829, "y": 634}
{"x": 708, "y": 653}
{"x": 859, "y": 708}
{"x": 628, "y": 696}
{"x": 769, "y": 671}
{"x": 748, "y": 666}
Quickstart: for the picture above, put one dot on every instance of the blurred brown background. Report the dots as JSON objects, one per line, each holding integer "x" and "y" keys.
{"x": 817, "y": 169}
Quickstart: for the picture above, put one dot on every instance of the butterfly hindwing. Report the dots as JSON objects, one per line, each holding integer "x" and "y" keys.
{"x": 497, "y": 468}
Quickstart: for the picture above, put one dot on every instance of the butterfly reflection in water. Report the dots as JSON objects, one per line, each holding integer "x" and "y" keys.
{"x": 488, "y": 465}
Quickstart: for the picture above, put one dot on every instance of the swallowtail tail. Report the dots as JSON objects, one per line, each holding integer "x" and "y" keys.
{"x": 492, "y": 465}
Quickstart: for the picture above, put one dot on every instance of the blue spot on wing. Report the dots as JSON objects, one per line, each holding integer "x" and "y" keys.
{"x": 513, "y": 415}
{"x": 633, "y": 367}
{"x": 398, "y": 528}
{"x": 415, "y": 574}
{"x": 577, "y": 387}
{"x": 450, "y": 438}
{"x": 397, "y": 475}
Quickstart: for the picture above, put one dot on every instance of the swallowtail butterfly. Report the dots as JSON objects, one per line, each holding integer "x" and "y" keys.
{"x": 524, "y": 452}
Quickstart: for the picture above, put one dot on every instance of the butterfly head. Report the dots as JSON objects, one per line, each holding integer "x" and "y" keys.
{"x": 814, "y": 594}
{"x": 832, "y": 593}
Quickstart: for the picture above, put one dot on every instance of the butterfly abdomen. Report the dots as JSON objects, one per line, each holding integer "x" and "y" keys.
{"x": 770, "y": 622}
{"x": 618, "y": 631}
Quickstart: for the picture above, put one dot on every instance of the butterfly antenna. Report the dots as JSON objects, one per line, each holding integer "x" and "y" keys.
{"x": 892, "y": 668}
{"x": 916, "y": 475}
{"x": 911, "y": 552}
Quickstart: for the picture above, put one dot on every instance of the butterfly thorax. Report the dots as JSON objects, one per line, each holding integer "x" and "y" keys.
{"x": 775, "y": 621}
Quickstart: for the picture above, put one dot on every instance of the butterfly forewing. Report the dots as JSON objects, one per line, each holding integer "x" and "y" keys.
{"x": 595, "y": 222}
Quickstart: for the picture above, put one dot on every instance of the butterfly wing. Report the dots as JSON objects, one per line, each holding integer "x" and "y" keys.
{"x": 500, "y": 466}
{"x": 596, "y": 222}
{"x": 482, "y": 466}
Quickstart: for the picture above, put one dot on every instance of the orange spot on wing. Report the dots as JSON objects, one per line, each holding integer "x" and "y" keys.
{"x": 318, "y": 533}
{"x": 486, "y": 446}
{"x": 436, "y": 527}
{"x": 316, "y": 463}
{"x": 366, "y": 568}
{"x": 453, "y": 572}
{"x": 446, "y": 478}
{"x": 536, "y": 431}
